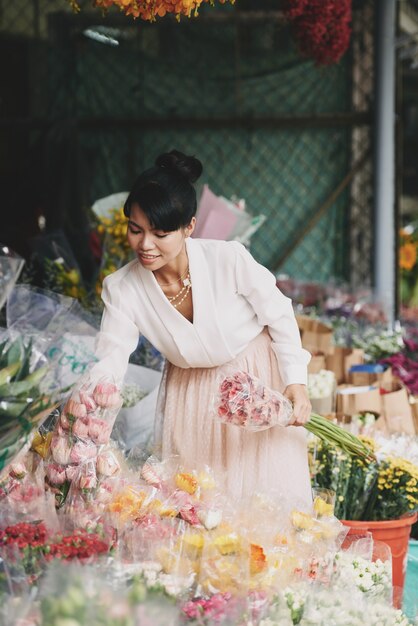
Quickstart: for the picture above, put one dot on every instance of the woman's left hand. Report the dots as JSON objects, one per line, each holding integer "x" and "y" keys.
{"x": 302, "y": 408}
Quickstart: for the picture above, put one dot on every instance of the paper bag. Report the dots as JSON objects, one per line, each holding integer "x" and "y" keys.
{"x": 323, "y": 406}
{"x": 398, "y": 412}
{"x": 351, "y": 399}
{"x": 316, "y": 336}
{"x": 414, "y": 408}
{"x": 316, "y": 364}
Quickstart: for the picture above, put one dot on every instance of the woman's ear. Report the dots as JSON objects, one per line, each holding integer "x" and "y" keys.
{"x": 190, "y": 227}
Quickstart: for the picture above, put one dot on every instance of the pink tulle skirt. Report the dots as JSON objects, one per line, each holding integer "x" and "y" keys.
{"x": 273, "y": 460}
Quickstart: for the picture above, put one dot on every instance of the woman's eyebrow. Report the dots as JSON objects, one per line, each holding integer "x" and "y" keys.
{"x": 138, "y": 226}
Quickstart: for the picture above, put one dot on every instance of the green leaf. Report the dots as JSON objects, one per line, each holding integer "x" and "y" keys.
{"x": 24, "y": 370}
{"x": 14, "y": 353}
{"x": 12, "y": 408}
{"x": 7, "y": 373}
{"x": 24, "y": 386}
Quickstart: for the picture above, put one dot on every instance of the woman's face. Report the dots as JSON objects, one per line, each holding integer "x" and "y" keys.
{"x": 155, "y": 248}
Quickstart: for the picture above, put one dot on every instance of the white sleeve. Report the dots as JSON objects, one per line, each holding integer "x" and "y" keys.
{"x": 117, "y": 339}
{"x": 273, "y": 309}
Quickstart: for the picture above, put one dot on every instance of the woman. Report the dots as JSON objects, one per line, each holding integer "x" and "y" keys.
{"x": 204, "y": 304}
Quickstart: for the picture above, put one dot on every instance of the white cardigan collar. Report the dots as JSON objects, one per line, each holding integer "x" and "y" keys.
{"x": 198, "y": 342}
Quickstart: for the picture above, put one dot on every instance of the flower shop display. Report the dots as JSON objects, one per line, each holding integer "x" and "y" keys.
{"x": 169, "y": 532}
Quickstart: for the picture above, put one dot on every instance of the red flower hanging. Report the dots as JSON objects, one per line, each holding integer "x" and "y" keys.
{"x": 321, "y": 28}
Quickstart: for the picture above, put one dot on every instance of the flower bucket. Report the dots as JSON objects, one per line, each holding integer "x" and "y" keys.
{"x": 395, "y": 533}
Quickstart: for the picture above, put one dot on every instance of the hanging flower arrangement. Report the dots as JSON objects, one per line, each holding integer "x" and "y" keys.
{"x": 149, "y": 10}
{"x": 321, "y": 28}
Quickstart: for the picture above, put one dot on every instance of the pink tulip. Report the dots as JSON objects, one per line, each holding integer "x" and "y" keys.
{"x": 65, "y": 422}
{"x": 104, "y": 494}
{"x": 88, "y": 401}
{"x": 99, "y": 430}
{"x": 82, "y": 451}
{"x": 71, "y": 471}
{"x": 107, "y": 395}
{"x": 107, "y": 464}
{"x": 75, "y": 410}
{"x": 60, "y": 431}
{"x": 81, "y": 428}
{"x": 61, "y": 450}
{"x": 87, "y": 482}
{"x": 56, "y": 473}
{"x": 18, "y": 470}
{"x": 149, "y": 474}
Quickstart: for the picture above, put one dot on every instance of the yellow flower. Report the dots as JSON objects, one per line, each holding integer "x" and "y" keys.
{"x": 186, "y": 482}
{"x": 228, "y": 544}
{"x": 407, "y": 256}
{"x": 302, "y": 521}
{"x": 322, "y": 508}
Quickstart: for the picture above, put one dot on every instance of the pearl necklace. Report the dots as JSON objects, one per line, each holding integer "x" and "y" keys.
{"x": 187, "y": 285}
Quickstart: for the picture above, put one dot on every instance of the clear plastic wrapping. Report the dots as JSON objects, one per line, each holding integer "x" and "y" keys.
{"x": 243, "y": 400}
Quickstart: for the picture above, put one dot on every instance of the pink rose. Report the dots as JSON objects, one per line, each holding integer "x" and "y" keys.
{"x": 107, "y": 464}
{"x": 81, "y": 428}
{"x": 99, "y": 430}
{"x": 56, "y": 473}
{"x": 75, "y": 410}
{"x": 61, "y": 450}
{"x": 107, "y": 395}
{"x": 82, "y": 451}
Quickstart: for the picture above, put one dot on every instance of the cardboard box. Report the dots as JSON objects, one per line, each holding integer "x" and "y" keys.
{"x": 352, "y": 399}
{"x": 316, "y": 336}
{"x": 383, "y": 379}
{"x": 340, "y": 360}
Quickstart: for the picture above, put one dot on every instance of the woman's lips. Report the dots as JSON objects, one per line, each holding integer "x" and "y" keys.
{"x": 147, "y": 259}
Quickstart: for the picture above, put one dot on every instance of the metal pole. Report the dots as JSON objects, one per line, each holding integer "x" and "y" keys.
{"x": 384, "y": 251}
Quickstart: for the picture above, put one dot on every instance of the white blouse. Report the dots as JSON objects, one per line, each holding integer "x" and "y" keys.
{"x": 234, "y": 298}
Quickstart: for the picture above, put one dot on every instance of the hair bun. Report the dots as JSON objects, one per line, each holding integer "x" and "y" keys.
{"x": 188, "y": 166}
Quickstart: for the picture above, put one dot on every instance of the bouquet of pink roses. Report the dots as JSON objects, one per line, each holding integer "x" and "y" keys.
{"x": 244, "y": 401}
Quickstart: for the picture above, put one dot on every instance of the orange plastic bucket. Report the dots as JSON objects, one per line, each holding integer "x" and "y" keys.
{"x": 395, "y": 533}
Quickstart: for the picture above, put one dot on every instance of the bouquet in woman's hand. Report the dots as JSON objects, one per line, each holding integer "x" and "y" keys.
{"x": 243, "y": 400}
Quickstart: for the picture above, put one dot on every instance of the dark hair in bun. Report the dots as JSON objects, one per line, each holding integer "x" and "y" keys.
{"x": 165, "y": 192}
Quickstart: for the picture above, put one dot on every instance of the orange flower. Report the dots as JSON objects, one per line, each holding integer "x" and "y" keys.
{"x": 258, "y": 560}
{"x": 407, "y": 256}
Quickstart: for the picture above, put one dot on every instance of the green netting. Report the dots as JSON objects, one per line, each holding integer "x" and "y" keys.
{"x": 201, "y": 72}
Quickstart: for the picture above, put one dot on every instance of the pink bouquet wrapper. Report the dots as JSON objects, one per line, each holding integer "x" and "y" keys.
{"x": 243, "y": 400}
